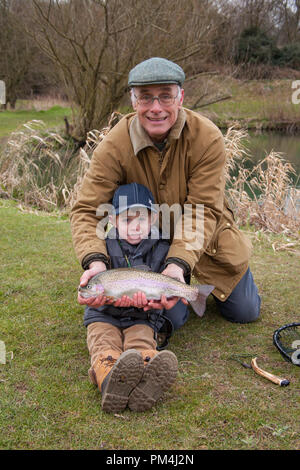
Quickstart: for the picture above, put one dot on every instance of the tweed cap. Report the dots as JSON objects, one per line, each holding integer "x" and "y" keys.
{"x": 156, "y": 71}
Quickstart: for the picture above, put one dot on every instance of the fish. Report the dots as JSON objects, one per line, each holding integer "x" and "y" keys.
{"x": 114, "y": 283}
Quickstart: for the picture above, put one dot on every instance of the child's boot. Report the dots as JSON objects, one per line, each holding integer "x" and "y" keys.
{"x": 116, "y": 377}
{"x": 160, "y": 370}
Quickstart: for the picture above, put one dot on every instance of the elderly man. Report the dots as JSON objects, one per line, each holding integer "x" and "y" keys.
{"x": 180, "y": 156}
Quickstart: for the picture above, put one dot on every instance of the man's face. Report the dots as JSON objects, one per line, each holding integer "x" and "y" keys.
{"x": 157, "y": 118}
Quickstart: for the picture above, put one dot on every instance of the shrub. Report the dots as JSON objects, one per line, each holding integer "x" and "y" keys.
{"x": 289, "y": 56}
{"x": 255, "y": 47}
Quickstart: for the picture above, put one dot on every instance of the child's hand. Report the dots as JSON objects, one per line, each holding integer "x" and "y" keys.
{"x": 164, "y": 303}
{"x": 124, "y": 301}
{"x": 139, "y": 300}
{"x": 94, "y": 301}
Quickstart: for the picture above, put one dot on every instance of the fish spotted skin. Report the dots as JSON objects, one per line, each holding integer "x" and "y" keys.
{"x": 115, "y": 283}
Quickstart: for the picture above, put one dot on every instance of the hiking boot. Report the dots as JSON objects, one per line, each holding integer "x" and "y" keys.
{"x": 148, "y": 354}
{"x": 103, "y": 365}
{"x": 160, "y": 372}
{"x": 117, "y": 377}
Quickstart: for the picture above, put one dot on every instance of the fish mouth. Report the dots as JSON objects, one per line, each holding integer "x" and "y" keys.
{"x": 87, "y": 294}
{"x": 83, "y": 295}
{"x": 91, "y": 290}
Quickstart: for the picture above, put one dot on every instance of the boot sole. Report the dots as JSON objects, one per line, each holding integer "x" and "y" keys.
{"x": 159, "y": 374}
{"x": 124, "y": 376}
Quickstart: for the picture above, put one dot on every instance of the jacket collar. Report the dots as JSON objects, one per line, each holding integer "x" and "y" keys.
{"x": 140, "y": 139}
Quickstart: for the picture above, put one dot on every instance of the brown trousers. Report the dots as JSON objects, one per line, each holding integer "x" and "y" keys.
{"x": 104, "y": 338}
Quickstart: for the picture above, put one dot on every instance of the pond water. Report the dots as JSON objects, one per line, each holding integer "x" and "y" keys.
{"x": 260, "y": 145}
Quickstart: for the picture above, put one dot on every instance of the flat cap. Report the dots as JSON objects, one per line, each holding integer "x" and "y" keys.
{"x": 155, "y": 71}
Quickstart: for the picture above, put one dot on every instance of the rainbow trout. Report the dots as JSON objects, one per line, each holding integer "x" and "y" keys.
{"x": 126, "y": 281}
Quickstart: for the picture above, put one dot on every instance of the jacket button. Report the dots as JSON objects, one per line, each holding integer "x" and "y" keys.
{"x": 228, "y": 224}
{"x": 214, "y": 251}
{"x": 222, "y": 296}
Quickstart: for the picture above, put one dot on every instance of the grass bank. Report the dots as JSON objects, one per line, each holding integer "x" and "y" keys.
{"x": 254, "y": 104}
{"x": 47, "y": 401}
{"x": 52, "y": 117}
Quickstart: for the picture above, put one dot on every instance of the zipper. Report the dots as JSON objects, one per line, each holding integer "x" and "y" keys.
{"x": 125, "y": 256}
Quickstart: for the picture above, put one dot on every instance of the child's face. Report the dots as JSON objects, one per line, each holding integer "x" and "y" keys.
{"x": 134, "y": 225}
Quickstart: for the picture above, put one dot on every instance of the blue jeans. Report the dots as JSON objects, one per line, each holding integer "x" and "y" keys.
{"x": 243, "y": 304}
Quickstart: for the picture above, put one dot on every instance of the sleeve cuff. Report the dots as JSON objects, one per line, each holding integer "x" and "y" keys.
{"x": 88, "y": 259}
{"x": 181, "y": 263}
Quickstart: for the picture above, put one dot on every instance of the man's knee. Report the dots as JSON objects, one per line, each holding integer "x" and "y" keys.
{"x": 251, "y": 311}
{"x": 243, "y": 304}
{"x": 243, "y": 312}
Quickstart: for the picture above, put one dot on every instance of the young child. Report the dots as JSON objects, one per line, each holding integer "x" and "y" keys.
{"x": 121, "y": 336}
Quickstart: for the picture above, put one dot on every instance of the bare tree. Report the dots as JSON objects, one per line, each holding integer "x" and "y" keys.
{"x": 245, "y": 14}
{"x": 23, "y": 67}
{"x": 289, "y": 17}
{"x": 94, "y": 43}
{"x": 16, "y": 51}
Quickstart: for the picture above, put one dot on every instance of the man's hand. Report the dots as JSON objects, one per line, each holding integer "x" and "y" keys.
{"x": 94, "y": 268}
{"x": 172, "y": 270}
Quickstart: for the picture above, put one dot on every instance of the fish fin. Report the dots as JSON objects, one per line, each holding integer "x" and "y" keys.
{"x": 142, "y": 267}
{"x": 199, "y": 305}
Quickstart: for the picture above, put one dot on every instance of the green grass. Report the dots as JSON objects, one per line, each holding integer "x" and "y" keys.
{"x": 254, "y": 103}
{"x": 10, "y": 120}
{"x": 47, "y": 401}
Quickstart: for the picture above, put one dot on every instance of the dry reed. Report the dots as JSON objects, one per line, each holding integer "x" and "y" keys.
{"x": 264, "y": 196}
{"x": 42, "y": 169}
{"x": 37, "y": 166}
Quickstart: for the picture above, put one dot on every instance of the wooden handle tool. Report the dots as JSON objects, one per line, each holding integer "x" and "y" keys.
{"x": 276, "y": 380}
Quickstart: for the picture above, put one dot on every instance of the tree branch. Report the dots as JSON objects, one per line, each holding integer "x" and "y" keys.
{"x": 214, "y": 100}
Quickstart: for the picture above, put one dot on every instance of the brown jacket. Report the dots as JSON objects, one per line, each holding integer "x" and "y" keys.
{"x": 190, "y": 170}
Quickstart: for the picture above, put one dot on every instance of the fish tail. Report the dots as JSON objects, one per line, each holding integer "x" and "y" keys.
{"x": 199, "y": 305}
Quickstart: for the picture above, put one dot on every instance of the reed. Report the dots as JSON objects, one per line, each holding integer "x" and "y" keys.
{"x": 43, "y": 168}
{"x": 38, "y": 167}
{"x": 264, "y": 196}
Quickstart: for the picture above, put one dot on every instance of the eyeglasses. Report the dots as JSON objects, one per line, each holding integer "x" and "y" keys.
{"x": 164, "y": 99}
